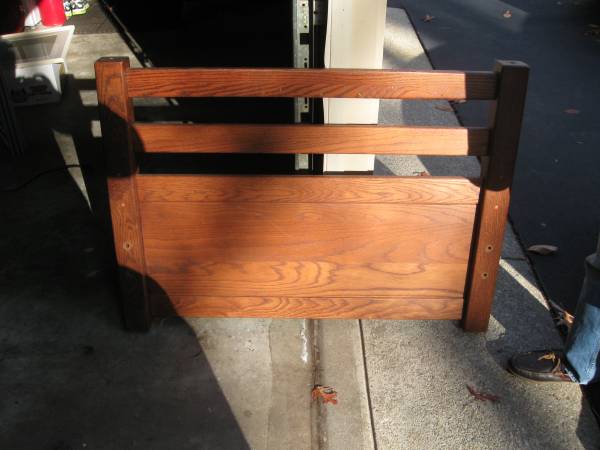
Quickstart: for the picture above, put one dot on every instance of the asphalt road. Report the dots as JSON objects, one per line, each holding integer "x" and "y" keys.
{"x": 556, "y": 192}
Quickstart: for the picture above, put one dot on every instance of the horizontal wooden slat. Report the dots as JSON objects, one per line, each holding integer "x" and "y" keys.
{"x": 312, "y": 308}
{"x": 247, "y": 138}
{"x": 311, "y": 250}
{"x": 196, "y": 234}
{"x": 308, "y": 189}
{"x": 326, "y": 83}
{"x": 308, "y": 278}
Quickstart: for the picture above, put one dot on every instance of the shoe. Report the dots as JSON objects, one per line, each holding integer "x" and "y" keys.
{"x": 540, "y": 365}
{"x": 67, "y": 6}
{"x": 79, "y": 7}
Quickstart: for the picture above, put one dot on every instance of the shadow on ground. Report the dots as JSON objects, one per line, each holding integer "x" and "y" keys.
{"x": 71, "y": 376}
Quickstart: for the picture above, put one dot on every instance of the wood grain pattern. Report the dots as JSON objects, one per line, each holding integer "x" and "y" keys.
{"x": 325, "y": 249}
{"x": 495, "y": 195}
{"x": 116, "y": 113}
{"x": 306, "y": 307}
{"x": 309, "y": 278}
{"x": 321, "y": 83}
{"x": 308, "y": 189}
{"x": 305, "y": 138}
{"x": 319, "y": 247}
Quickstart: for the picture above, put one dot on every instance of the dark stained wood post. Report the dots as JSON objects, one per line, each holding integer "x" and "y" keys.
{"x": 495, "y": 194}
{"x": 116, "y": 117}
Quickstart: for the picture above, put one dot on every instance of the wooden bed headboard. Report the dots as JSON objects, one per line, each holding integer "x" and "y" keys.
{"x": 308, "y": 246}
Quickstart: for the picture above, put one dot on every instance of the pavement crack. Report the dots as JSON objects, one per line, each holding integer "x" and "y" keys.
{"x": 367, "y": 388}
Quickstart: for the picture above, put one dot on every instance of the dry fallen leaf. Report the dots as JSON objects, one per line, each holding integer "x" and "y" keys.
{"x": 594, "y": 30}
{"x": 428, "y": 18}
{"x": 572, "y": 111}
{"x": 550, "y": 356}
{"x": 326, "y": 393}
{"x": 507, "y": 14}
{"x": 563, "y": 317}
{"x": 482, "y": 396}
{"x": 543, "y": 249}
{"x": 446, "y": 108}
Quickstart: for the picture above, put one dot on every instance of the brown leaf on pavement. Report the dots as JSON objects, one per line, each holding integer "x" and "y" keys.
{"x": 562, "y": 316}
{"x": 482, "y": 396}
{"x": 326, "y": 393}
{"x": 428, "y": 18}
{"x": 446, "y": 108}
{"x": 543, "y": 249}
{"x": 507, "y": 14}
{"x": 594, "y": 30}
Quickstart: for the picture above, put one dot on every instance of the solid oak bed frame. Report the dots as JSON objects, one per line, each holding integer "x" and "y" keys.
{"x": 321, "y": 246}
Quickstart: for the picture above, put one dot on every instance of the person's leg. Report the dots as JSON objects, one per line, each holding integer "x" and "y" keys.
{"x": 583, "y": 343}
{"x": 580, "y": 360}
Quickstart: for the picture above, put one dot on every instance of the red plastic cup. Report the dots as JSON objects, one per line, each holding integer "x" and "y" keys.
{"x": 52, "y": 12}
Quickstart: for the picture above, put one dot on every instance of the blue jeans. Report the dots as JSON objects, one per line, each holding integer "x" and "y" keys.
{"x": 583, "y": 343}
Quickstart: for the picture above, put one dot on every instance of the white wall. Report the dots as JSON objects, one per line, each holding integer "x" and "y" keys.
{"x": 355, "y": 30}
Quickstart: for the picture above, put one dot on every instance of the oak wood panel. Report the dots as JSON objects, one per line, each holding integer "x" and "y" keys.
{"x": 323, "y": 83}
{"x": 495, "y": 194}
{"x": 306, "y": 307}
{"x": 182, "y": 235}
{"x": 308, "y": 138}
{"x": 258, "y": 249}
{"x": 310, "y": 278}
{"x": 116, "y": 113}
{"x": 308, "y": 189}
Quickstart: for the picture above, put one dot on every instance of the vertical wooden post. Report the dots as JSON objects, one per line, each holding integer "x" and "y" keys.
{"x": 116, "y": 116}
{"x": 495, "y": 194}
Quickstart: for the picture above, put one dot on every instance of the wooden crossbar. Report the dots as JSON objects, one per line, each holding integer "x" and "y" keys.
{"x": 308, "y": 189}
{"x": 320, "y": 83}
{"x": 246, "y": 138}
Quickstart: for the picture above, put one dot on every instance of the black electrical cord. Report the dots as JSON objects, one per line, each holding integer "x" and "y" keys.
{"x": 37, "y": 175}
